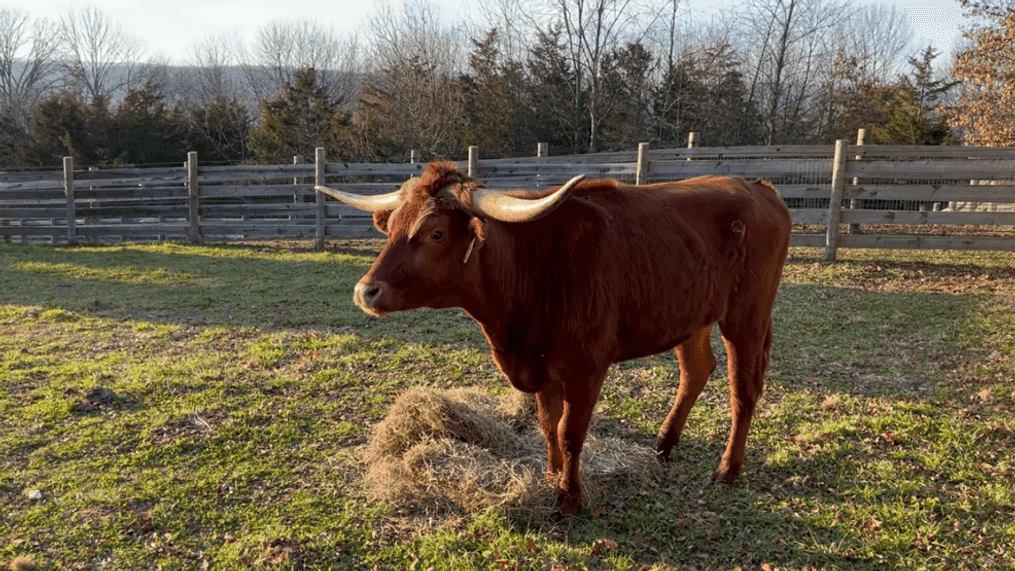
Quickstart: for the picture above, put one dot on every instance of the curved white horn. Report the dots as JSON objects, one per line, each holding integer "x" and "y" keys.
{"x": 507, "y": 208}
{"x": 388, "y": 201}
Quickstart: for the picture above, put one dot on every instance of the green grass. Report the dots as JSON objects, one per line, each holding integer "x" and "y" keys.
{"x": 244, "y": 382}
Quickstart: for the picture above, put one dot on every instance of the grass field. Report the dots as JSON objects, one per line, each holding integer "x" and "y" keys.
{"x": 181, "y": 407}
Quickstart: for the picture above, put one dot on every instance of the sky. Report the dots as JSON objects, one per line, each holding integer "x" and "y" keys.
{"x": 172, "y": 28}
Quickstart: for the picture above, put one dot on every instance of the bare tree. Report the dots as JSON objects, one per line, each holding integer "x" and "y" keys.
{"x": 214, "y": 69}
{"x": 414, "y": 96}
{"x": 216, "y": 105}
{"x": 788, "y": 44}
{"x": 101, "y": 58}
{"x": 869, "y": 50}
{"x": 283, "y": 48}
{"x": 588, "y": 32}
{"x": 593, "y": 29}
{"x": 513, "y": 23}
{"x": 27, "y": 68}
{"x": 875, "y": 40}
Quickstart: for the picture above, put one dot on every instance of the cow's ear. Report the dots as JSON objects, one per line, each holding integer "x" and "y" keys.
{"x": 477, "y": 229}
{"x": 476, "y": 233}
{"x": 381, "y": 220}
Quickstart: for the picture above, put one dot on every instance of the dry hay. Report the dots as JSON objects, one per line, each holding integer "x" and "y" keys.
{"x": 465, "y": 450}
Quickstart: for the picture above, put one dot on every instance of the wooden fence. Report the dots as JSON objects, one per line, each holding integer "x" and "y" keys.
{"x": 877, "y": 196}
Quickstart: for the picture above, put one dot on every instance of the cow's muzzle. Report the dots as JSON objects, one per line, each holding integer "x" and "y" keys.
{"x": 366, "y": 294}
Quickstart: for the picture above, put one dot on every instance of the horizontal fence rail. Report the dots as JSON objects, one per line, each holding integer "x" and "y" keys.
{"x": 849, "y": 196}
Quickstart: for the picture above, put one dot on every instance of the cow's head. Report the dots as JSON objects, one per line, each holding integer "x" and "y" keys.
{"x": 436, "y": 226}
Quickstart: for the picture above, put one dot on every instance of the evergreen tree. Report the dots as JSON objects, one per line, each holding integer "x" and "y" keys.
{"x": 627, "y": 97}
{"x": 676, "y": 101}
{"x": 13, "y": 141}
{"x": 911, "y": 116}
{"x": 61, "y": 128}
{"x": 145, "y": 132}
{"x": 218, "y": 131}
{"x": 704, "y": 92}
{"x": 494, "y": 117}
{"x": 553, "y": 96}
{"x": 725, "y": 117}
{"x": 296, "y": 120}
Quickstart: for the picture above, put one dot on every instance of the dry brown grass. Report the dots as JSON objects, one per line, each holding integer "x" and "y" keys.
{"x": 464, "y": 450}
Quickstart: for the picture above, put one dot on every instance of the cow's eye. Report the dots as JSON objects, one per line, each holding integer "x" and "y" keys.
{"x": 437, "y": 236}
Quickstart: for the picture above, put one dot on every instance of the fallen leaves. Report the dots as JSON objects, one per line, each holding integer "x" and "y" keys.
{"x": 602, "y": 545}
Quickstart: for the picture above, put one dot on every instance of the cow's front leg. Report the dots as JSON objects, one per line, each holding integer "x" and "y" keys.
{"x": 580, "y": 396}
{"x": 549, "y": 409}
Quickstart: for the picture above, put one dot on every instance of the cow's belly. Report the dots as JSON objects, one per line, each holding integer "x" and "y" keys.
{"x": 638, "y": 350}
{"x": 665, "y": 329}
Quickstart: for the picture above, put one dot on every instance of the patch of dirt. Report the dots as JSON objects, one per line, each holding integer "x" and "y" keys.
{"x": 194, "y": 426}
{"x": 186, "y": 317}
{"x": 282, "y": 313}
{"x": 99, "y": 306}
{"x": 94, "y": 400}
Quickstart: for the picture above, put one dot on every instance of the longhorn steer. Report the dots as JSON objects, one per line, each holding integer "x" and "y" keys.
{"x": 566, "y": 282}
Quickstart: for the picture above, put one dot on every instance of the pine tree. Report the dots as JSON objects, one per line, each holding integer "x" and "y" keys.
{"x": 911, "y": 110}
{"x": 145, "y": 131}
{"x": 296, "y": 120}
{"x": 219, "y": 130}
{"x": 60, "y": 129}
{"x": 494, "y": 117}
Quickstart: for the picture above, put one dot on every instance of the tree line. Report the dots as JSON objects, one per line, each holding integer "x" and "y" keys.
{"x": 581, "y": 75}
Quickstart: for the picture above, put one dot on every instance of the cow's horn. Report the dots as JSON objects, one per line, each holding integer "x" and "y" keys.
{"x": 508, "y": 208}
{"x": 388, "y": 201}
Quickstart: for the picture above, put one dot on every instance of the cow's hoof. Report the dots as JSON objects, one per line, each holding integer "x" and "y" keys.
{"x": 570, "y": 503}
{"x": 725, "y": 476}
{"x": 662, "y": 451}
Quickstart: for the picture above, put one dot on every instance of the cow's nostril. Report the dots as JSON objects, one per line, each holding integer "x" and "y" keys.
{"x": 367, "y": 293}
{"x": 371, "y": 292}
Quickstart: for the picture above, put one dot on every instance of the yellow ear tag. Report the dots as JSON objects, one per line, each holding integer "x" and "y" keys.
{"x": 469, "y": 251}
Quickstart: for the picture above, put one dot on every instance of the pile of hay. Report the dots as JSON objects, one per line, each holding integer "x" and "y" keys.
{"x": 464, "y": 450}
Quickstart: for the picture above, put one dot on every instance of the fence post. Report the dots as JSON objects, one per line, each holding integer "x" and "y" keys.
{"x": 835, "y": 200}
{"x": 68, "y": 188}
{"x": 414, "y": 156}
{"x": 322, "y": 212}
{"x": 473, "y": 161}
{"x": 854, "y": 203}
{"x": 542, "y": 149}
{"x": 297, "y": 160}
{"x": 692, "y": 141}
{"x": 192, "y": 196}
{"x": 641, "y": 174}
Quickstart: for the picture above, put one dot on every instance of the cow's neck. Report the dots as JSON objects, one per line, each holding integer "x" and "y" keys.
{"x": 502, "y": 300}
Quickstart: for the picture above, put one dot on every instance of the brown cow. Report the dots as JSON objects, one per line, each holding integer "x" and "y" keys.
{"x": 566, "y": 282}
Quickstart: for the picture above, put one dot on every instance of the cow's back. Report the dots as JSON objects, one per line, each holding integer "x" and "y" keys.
{"x": 647, "y": 265}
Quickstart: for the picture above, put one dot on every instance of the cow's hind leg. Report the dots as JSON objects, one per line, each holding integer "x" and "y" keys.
{"x": 748, "y": 349}
{"x": 696, "y": 364}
